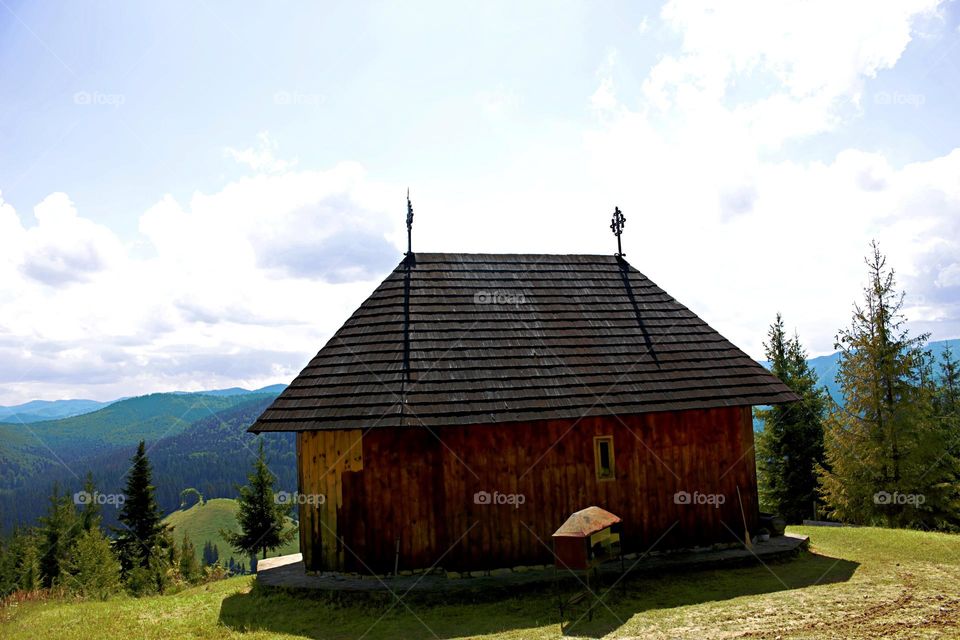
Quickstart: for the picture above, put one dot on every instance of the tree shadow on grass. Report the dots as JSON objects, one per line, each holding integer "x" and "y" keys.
{"x": 441, "y": 615}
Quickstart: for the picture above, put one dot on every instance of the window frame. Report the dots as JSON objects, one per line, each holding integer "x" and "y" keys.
{"x": 598, "y": 470}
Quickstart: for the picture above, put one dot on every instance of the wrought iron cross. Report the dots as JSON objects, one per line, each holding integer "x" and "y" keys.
{"x": 409, "y": 223}
{"x": 619, "y": 221}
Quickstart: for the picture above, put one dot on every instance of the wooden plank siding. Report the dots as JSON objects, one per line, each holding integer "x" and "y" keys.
{"x": 418, "y": 485}
{"x": 324, "y": 460}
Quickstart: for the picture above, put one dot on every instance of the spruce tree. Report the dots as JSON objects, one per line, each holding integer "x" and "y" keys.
{"x": 189, "y": 566}
{"x": 141, "y": 533}
{"x": 887, "y": 459}
{"x": 947, "y": 398}
{"x": 58, "y": 530}
{"x": 790, "y": 447}
{"x": 8, "y": 576}
{"x": 90, "y": 513}
{"x": 25, "y": 559}
{"x": 262, "y": 519}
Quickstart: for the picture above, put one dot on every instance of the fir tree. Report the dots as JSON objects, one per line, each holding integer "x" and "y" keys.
{"x": 261, "y": 517}
{"x": 887, "y": 457}
{"x": 141, "y": 533}
{"x": 58, "y": 529}
{"x": 790, "y": 447}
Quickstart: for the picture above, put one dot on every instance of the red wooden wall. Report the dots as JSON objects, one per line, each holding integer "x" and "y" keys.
{"x": 418, "y": 485}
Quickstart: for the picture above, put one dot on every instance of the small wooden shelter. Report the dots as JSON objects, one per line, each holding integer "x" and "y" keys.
{"x": 473, "y": 402}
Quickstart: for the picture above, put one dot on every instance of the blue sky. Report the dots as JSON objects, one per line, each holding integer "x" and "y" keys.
{"x": 197, "y": 194}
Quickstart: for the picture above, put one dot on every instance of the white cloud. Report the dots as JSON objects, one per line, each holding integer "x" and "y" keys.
{"x": 240, "y": 286}
{"x": 949, "y": 276}
{"x": 61, "y": 248}
{"x": 261, "y": 158}
{"x": 815, "y": 56}
{"x": 739, "y": 236}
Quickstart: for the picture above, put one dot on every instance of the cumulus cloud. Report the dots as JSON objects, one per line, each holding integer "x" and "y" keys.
{"x": 61, "y": 248}
{"x": 738, "y": 234}
{"x": 240, "y": 286}
{"x": 816, "y": 55}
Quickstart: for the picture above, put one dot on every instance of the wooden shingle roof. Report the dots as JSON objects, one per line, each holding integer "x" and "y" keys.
{"x": 457, "y": 339}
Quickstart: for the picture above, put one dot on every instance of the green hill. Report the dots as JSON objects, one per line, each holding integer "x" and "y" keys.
{"x": 202, "y": 522}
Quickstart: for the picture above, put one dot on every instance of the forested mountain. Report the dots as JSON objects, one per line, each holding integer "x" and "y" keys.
{"x": 193, "y": 441}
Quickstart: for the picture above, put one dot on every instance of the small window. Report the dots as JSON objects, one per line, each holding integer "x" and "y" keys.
{"x": 603, "y": 457}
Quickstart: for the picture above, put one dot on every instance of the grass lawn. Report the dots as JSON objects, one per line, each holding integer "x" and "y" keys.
{"x": 854, "y": 583}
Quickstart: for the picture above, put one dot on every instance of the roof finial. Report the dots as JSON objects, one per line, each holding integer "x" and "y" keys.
{"x": 619, "y": 221}
{"x": 409, "y": 223}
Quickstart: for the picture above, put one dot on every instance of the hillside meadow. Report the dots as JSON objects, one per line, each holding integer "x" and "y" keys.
{"x": 203, "y": 522}
{"x": 853, "y": 583}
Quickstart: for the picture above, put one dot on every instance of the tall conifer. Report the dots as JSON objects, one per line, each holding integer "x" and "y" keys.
{"x": 888, "y": 457}
{"x": 790, "y": 447}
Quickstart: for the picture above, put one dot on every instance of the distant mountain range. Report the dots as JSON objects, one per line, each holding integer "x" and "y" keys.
{"x": 826, "y": 367}
{"x": 40, "y": 410}
{"x": 194, "y": 440}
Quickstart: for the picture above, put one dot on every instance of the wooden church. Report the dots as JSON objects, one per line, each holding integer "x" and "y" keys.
{"x": 474, "y": 401}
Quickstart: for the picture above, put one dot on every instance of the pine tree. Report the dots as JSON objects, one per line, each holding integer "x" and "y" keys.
{"x": 886, "y": 455}
{"x": 141, "y": 533}
{"x": 58, "y": 530}
{"x": 261, "y": 517}
{"x": 92, "y": 571}
{"x": 790, "y": 447}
